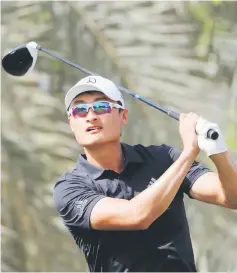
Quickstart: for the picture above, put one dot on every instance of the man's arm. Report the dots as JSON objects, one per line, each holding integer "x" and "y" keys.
{"x": 218, "y": 188}
{"x": 141, "y": 211}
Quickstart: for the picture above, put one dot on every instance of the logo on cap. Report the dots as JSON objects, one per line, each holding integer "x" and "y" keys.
{"x": 91, "y": 79}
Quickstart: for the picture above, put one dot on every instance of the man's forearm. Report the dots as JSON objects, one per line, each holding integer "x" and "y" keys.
{"x": 153, "y": 201}
{"x": 227, "y": 173}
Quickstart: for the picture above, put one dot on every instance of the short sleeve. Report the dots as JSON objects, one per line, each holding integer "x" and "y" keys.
{"x": 197, "y": 169}
{"x": 74, "y": 198}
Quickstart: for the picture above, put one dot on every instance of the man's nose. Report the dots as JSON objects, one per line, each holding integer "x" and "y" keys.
{"x": 91, "y": 115}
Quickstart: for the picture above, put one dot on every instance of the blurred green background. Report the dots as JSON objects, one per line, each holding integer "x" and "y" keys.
{"x": 182, "y": 55}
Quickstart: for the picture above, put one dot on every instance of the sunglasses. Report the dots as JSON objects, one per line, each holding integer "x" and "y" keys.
{"x": 99, "y": 107}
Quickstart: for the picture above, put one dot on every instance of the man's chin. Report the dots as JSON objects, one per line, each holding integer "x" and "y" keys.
{"x": 94, "y": 143}
{"x": 97, "y": 142}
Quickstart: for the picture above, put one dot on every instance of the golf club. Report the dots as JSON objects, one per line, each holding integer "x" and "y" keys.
{"x": 22, "y": 60}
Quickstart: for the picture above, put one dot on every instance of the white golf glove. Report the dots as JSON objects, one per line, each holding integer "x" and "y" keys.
{"x": 209, "y": 146}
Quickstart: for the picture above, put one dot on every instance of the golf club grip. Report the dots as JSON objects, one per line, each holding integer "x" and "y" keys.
{"x": 212, "y": 134}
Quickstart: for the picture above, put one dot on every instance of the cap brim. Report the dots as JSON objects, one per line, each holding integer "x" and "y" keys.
{"x": 77, "y": 90}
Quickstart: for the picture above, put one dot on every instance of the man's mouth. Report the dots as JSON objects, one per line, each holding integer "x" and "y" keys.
{"x": 94, "y": 128}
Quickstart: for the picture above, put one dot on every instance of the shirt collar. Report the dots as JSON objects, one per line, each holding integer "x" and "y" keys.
{"x": 130, "y": 153}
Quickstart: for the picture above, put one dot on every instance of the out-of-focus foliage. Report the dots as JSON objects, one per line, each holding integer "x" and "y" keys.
{"x": 180, "y": 54}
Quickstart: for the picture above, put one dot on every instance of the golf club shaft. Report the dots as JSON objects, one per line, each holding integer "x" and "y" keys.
{"x": 125, "y": 90}
{"x": 210, "y": 134}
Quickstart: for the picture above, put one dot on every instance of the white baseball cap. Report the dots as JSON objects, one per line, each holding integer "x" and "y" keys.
{"x": 94, "y": 83}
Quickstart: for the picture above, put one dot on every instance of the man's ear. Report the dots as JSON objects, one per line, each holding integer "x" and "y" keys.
{"x": 125, "y": 116}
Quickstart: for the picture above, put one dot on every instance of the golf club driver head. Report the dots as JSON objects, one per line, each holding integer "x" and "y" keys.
{"x": 21, "y": 60}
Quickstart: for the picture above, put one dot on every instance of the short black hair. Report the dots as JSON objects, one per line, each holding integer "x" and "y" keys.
{"x": 120, "y": 103}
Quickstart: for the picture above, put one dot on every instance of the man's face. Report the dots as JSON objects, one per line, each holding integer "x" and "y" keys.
{"x": 110, "y": 123}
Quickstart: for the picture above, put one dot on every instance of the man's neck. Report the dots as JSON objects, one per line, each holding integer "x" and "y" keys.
{"x": 108, "y": 156}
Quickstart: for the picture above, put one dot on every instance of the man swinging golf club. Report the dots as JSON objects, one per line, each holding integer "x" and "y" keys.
{"x": 123, "y": 204}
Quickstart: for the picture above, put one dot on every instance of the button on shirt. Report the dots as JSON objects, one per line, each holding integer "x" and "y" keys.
{"x": 164, "y": 246}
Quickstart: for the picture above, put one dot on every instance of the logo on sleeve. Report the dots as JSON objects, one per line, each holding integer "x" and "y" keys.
{"x": 80, "y": 205}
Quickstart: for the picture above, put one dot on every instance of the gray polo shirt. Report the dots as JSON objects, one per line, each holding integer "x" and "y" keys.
{"x": 164, "y": 246}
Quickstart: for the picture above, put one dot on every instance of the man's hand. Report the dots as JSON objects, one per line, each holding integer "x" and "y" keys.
{"x": 188, "y": 134}
{"x": 209, "y": 146}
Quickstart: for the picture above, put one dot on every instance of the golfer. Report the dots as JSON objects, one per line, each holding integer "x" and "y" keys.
{"x": 123, "y": 204}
